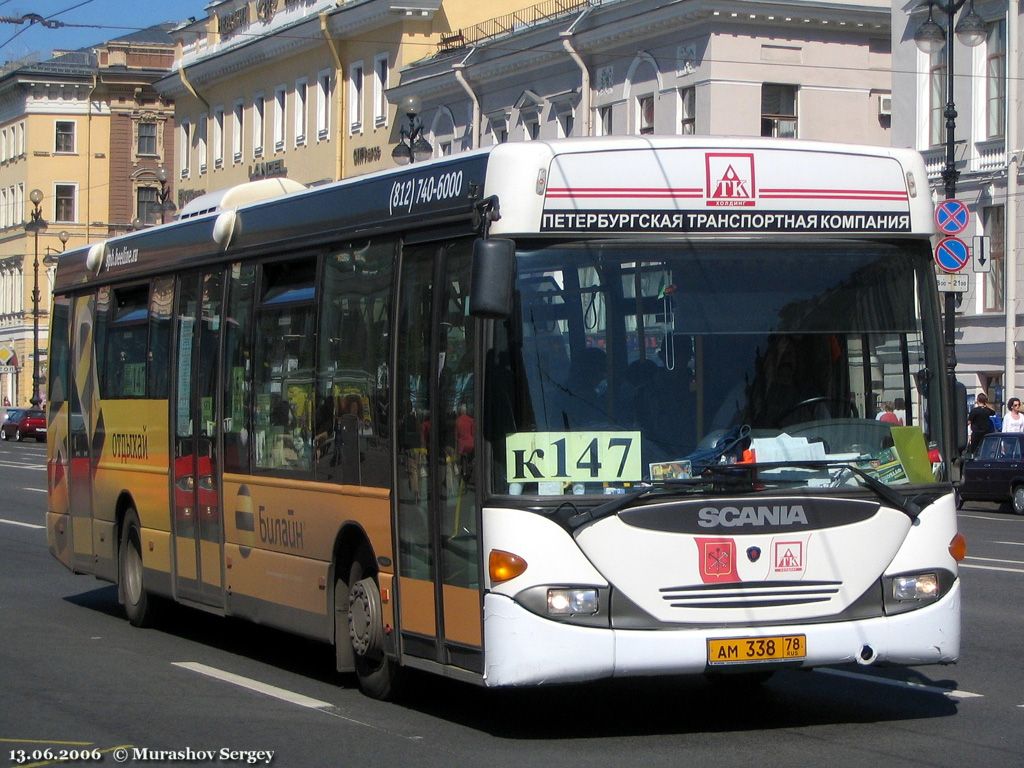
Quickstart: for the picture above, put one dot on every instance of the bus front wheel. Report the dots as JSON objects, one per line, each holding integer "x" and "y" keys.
{"x": 137, "y": 604}
{"x": 376, "y": 672}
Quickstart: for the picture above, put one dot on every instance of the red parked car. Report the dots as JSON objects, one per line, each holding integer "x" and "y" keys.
{"x": 23, "y": 422}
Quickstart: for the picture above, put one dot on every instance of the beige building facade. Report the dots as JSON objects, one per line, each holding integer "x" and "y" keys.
{"x": 788, "y": 69}
{"x": 296, "y": 88}
{"x": 69, "y": 128}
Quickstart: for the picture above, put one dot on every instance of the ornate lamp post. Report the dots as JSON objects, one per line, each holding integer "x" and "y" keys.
{"x": 411, "y": 146}
{"x": 930, "y": 38}
{"x": 35, "y": 226}
{"x": 165, "y": 205}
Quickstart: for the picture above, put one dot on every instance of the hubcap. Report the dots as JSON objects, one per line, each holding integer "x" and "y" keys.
{"x": 364, "y": 619}
{"x": 132, "y": 575}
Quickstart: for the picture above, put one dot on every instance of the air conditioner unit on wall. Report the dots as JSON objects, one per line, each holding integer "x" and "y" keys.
{"x": 884, "y": 105}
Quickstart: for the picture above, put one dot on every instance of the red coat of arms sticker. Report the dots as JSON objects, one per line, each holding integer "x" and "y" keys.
{"x": 717, "y": 560}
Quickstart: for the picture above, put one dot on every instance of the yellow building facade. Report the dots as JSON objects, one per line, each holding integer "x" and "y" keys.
{"x": 297, "y": 88}
{"x": 63, "y": 123}
{"x": 54, "y": 139}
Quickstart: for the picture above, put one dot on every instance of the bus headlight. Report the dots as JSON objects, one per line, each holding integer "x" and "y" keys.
{"x": 904, "y": 592}
{"x": 921, "y": 586}
{"x": 568, "y": 602}
{"x": 583, "y": 604}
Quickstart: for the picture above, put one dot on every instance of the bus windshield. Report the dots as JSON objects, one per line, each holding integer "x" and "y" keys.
{"x": 625, "y": 363}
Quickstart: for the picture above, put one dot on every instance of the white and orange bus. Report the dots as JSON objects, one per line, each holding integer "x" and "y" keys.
{"x": 546, "y": 412}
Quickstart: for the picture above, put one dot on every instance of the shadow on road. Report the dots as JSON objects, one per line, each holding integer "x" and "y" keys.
{"x": 672, "y": 706}
{"x": 676, "y": 705}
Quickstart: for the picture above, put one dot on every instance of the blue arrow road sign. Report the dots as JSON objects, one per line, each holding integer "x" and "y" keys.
{"x": 952, "y": 254}
{"x": 952, "y": 217}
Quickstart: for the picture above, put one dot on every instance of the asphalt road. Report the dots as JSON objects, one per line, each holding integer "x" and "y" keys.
{"x": 77, "y": 680}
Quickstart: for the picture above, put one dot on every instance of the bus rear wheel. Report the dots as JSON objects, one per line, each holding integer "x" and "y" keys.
{"x": 376, "y": 672}
{"x": 137, "y": 604}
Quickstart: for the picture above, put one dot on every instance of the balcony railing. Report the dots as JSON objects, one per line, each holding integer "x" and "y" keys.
{"x": 511, "y": 22}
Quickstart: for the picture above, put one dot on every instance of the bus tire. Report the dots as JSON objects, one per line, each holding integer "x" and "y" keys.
{"x": 138, "y": 606}
{"x": 376, "y": 672}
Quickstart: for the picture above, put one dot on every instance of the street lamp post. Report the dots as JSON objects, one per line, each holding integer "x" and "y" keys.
{"x": 165, "y": 192}
{"x": 411, "y": 146}
{"x": 35, "y": 226}
{"x": 971, "y": 31}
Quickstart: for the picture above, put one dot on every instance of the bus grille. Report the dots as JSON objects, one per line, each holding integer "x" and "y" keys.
{"x": 750, "y": 594}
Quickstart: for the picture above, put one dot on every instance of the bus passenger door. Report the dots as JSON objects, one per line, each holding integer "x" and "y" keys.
{"x": 84, "y": 412}
{"x": 438, "y": 561}
{"x": 198, "y": 516}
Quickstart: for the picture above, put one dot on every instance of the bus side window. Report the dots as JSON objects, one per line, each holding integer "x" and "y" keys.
{"x": 238, "y": 367}
{"x": 351, "y": 443}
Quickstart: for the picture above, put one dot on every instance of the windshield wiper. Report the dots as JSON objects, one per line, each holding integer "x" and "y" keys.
{"x": 715, "y": 478}
{"x": 617, "y": 502}
{"x": 909, "y": 507}
{"x": 741, "y": 475}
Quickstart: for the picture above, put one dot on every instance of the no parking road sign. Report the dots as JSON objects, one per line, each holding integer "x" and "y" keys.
{"x": 952, "y": 217}
{"x": 952, "y": 254}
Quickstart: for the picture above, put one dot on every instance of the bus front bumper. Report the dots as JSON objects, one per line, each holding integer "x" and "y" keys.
{"x": 522, "y": 648}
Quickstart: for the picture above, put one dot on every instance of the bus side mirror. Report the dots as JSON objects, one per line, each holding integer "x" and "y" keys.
{"x": 961, "y": 417}
{"x": 494, "y": 265}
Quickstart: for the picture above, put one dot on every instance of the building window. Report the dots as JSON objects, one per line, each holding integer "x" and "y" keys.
{"x": 21, "y": 139}
{"x": 566, "y": 121}
{"x": 499, "y": 129}
{"x": 279, "y": 117}
{"x": 936, "y": 98}
{"x": 380, "y": 85}
{"x": 201, "y": 129}
{"x": 995, "y": 79}
{"x": 301, "y": 113}
{"x": 258, "y": 125}
{"x": 355, "y": 91}
{"x": 994, "y": 226}
{"x": 778, "y": 111}
{"x": 147, "y": 139}
{"x": 531, "y": 125}
{"x": 604, "y": 120}
{"x": 64, "y": 139}
{"x": 147, "y": 205}
{"x": 645, "y": 114}
{"x": 323, "y": 105}
{"x": 688, "y": 118}
{"x": 218, "y": 137}
{"x": 237, "y": 125}
{"x": 186, "y": 148}
{"x": 64, "y": 202}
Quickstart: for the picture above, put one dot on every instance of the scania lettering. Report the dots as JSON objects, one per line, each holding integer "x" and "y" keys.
{"x": 728, "y": 517}
{"x": 543, "y": 412}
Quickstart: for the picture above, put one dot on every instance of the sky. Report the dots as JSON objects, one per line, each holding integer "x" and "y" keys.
{"x": 86, "y": 22}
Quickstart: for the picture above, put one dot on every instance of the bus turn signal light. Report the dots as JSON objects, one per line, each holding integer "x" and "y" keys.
{"x": 958, "y": 547}
{"x": 503, "y": 565}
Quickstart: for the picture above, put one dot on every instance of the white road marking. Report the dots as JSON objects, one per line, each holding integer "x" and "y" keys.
{"x": 23, "y": 525}
{"x": 1004, "y": 519}
{"x": 995, "y": 560}
{"x": 282, "y": 694}
{"x": 952, "y": 693}
{"x": 35, "y": 490}
{"x": 254, "y": 685}
{"x": 991, "y": 568}
{"x": 1011, "y": 543}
